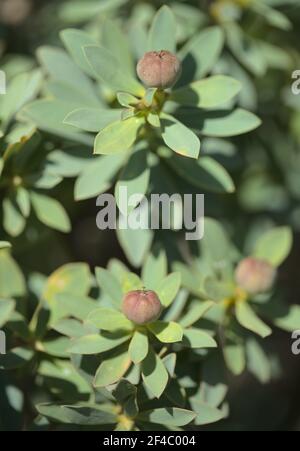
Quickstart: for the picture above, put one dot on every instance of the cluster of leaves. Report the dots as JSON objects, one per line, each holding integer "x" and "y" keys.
{"x": 73, "y": 358}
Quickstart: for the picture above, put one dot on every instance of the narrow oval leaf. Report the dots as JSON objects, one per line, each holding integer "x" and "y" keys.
{"x": 109, "y": 319}
{"x": 108, "y": 69}
{"x": 6, "y": 308}
{"x": 274, "y": 246}
{"x": 200, "y": 54}
{"x": 195, "y": 338}
{"x": 171, "y": 416}
{"x": 162, "y": 35}
{"x": 50, "y": 212}
{"x": 154, "y": 374}
{"x": 166, "y": 332}
{"x": 92, "y": 119}
{"x": 248, "y": 319}
{"x": 139, "y": 346}
{"x": 179, "y": 138}
{"x": 118, "y": 136}
{"x": 112, "y": 369}
{"x": 134, "y": 179}
{"x": 197, "y": 311}
{"x": 169, "y": 288}
{"x": 94, "y": 344}
{"x": 209, "y": 93}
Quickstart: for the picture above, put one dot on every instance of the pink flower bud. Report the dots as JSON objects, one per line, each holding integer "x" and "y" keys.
{"x": 159, "y": 69}
{"x": 255, "y": 275}
{"x": 141, "y": 306}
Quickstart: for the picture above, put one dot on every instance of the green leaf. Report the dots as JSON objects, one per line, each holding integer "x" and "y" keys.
{"x": 197, "y": 311}
{"x": 84, "y": 415}
{"x": 98, "y": 176}
{"x": 110, "y": 285}
{"x": 62, "y": 378}
{"x": 216, "y": 246}
{"x": 170, "y": 363}
{"x": 162, "y": 35}
{"x": 274, "y": 246}
{"x": 4, "y": 245}
{"x": 219, "y": 123}
{"x": 118, "y": 136}
{"x": 168, "y": 288}
{"x": 131, "y": 282}
{"x": 6, "y": 308}
{"x": 248, "y": 319}
{"x": 234, "y": 355}
{"x": 166, "y": 332}
{"x": 74, "y": 40}
{"x": 48, "y": 115}
{"x": 21, "y": 90}
{"x": 201, "y": 53}
{"x": 205, "y": 414}
{"x": 80, "y": 12}
{"x": 73, "y": 328}
{"x": 205, "y": 173}
{"x": 12, "y": 282}
{"x": 246, "y": 49}
{"x": 92, "y": 119}
{"x": 154, "y": 373}
{"x": 114, "y": 40}
{"x": 134, "y": 178}
{"x": 155, "y": 268}
{"x": 109, "y": 319}
{"x": 257, "y": 361}
{"x": 57, "y": 347}
{"x": 50, "y": 212}
{"x": 139, "y": 346}
{"x": 74, "y": 278}
{"x": 127, "y": 100}
{"x": 179, "y": 138}
{"x": 61, "y": 68}
{"x": 13, "y": 220}
{"x": 172, "y": 416}
{"x": 289, "y": 321}
{"x": 95, "y": 344}
{"x": 208, "y": 93}
{"x": 112, "y": 369}
{"x": 136, "y": 244}
{"x": 108, "y": 69}
{"x": 15, "y": 358}
{"x": 195, "y": 338}
{"x": 69, "y": 304}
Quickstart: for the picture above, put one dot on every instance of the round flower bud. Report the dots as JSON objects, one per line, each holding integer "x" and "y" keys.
{"x": 255, "y": 275}
{"x": 159, "y": 69}
{"x": 141, "y": 306}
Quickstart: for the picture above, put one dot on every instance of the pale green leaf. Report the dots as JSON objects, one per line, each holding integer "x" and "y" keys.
{"x": 166, "y": 332}
{"x": 50, "y": 212}
{"x": 162, "y": 35}
{"x": 208, "y": 93}
{"x": 274, "y": 245}
{"x": 169, "y": 288}
{"x": 139, "y": 346}
{"x": 118, "y": 136}
{"x": 248, "y": 319}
